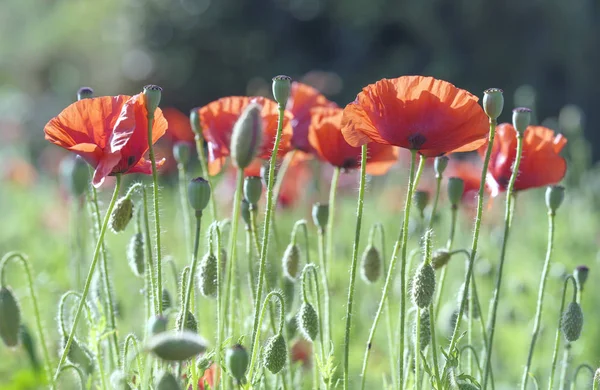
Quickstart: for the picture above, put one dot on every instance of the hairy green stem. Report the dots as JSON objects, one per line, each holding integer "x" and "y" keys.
{"x": 557, "y": 337}
{"x": 182, "y": 182}
{"x": 313, "y": 268}
{"x": 80, "y": 374}
{"x": 576, "y": 374}
{"x": 434, "y": 352}
{"x": 325, "y": 282}
{"x": 329, "y": 237}
{"x": 442, "y": 281}
{"x": 438, "y": 185}
{"x": 190, "y": 283}
{"x": 204, "y": 165}
{"x": 564, "y": 366}
{"x": 149, "y": 258}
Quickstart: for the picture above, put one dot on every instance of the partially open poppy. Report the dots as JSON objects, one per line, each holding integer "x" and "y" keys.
{"x": 418, "y": 113}
{"x": 540, "y": 164}
{"x": 109, "y": 132}
{"x": 325, "y": 137}
{"x": 217, "y": 119}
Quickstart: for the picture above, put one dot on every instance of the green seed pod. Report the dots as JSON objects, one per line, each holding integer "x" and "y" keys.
{"x": 29, "y": 346}
{"x": 10, "y": 317}
{"x": 236, "y": 360}
{"x": 320, "y": 215}
{"x": 167, "y": 302}
{"x": 121, "y": 215}
{"x": 182, "y": 152}
{"x": 456, "y": 188}
{"x": 554, "y": 197}
{"x": 190, "y": 322}
{"x": 466, "y": 312}
{"x": 153, "y": 94}
{"x": 252, "y": 189}
{"x": 308, "y": 321}
{"x": 423, "y": 285}
{"x": 167, "y": 381}
{"x": 440, "y": 258}
{"x": 581, "y": 274}
{"x": 521, "y": 119}
{"x": 85, "y": 93}
{"x": 421, "y": 199}
{"x": 79, "y": 355}
{"x": 572, "y": 322}
{"x": 135, "y": 254}
{"x": 207, "y": 275}
{"x": 282, "y": 86}
{"x": 440, "y": 164}
{"x": 195, "y": 121}
{"x": 75, "y": 175}
{"x": 467, "y": 386}
{"x": 493, "y": 102}
{"x": 291, "y": 261}
{"x": 275, "y": 353}
{"x": 118, "y": 380}
{"x": 157, "y": 324}
{"x": 246, "y": 136}
{"x": 176, "y": 345}
{"x": 425, "y": 332}
{"x": 198, "y": 193}
{"x": 370, "y": 264}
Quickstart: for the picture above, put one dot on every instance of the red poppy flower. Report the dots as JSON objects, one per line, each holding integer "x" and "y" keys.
{"x": 301, "y": 351}
{"x": 302, "y": 99}
{"x": 217, "y": 120}
{"x": 325, "y": 137}
{"x": 540, "y": 164}
{"x": 470, "y": 173}
{"x": 419, "y": 113}
{"x": 179, "y": 128}
{"x": 109, "y": 132}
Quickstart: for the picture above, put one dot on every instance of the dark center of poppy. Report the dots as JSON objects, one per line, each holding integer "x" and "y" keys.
{"x": 349, "y": 163}
{"x": 415, "y": 141}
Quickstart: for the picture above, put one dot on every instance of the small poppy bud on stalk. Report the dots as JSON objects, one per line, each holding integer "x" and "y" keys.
{"x": 118, "y": 380}
{"x": 167, "y": 301}
{"x": 190, "y": 322}
{"x": 440, "y": 163}
{"x": 370, "y": 264}
{"x": 291, "y": 261}
{"x": 282, "y": 86}
{"x": 572, "y": 322}
{"x": 521, "y": 119}
{"x": 10, "y": 317}
{"x": 167, "y": 382}
{"x": 29, "y": 346}
{"x": 195, "y": 122}
{"x": 176, "y": 346}
{"x": 425, "y": 330}
{"x": 423, "y": 285}
{"x": 121, "y": 214}
{"x": 153, "y": 95}
{"x": 493, "y": 102}
{"x": 85, "y": 93}
{"x": 320, "y": 215}
{"x": 554, "y": 197}
{"x": 246, "y": 136}
{"x": 207, "y": 275}
{"x": 198, "y": 193}
{"x": 75, "y": 175}
{"x": 421, "y": 199}
{"x": 440, "y": 258}
{"x": 275, "y": 353}
{"x": 182, "y": 152}
{"x": 308, "y": 321}
{"x": 581, "y": 274}
{"x": 135, "y": 254}
{"x": 456, "y": 188}
{"x": 252, "y": 189}
{"x": 236, "y": 360}
{"x": 156, "y": 325}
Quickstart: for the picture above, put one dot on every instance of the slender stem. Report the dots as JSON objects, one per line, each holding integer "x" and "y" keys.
{"x": 313, "y": 268}
{"x": 204, "y": 165}
{"x": 185, "y": 210}
{"x": 576, "y": 374}
{"x": 540, "y": 300}
{"x": 73, "y": 367}
{"x": 482, "y": 327}
{"x": 193, "y": 266}
{"x": 564, "y": 366}
{"x": 285, "y": 164}
{"x": 155, "y": 295}
{"x": 417, "y": 347}
{"x": 268, "y": 218}
{"x": 254, "y": 234}
{"x": 557, "y": 338}
{"x": 438, "y": 185}
{"x": 507, "y": 222}
{"x": 434, "y": 351}
{"x": 329, "y": 236}
{"x": 325, "y": 282}
{"x": 36, "y": 310}
{"x": 215, "y": 230}
{"x": 442, "y": 281}
{"x": 88, "y": 281}
{"x": 359, "y": 214}
{"x": 474, "y": 353}
{"x": 250, "y": 258}
{"x": 100, "y": 364}
{"x": 132, "y": 340}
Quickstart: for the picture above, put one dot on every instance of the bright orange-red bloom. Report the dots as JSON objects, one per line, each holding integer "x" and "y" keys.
{"x": 302, "y": 99}
{"x": 179, "y": 128}
{"x": 419, "y": 113}
{"x": 325, "y": 137}
{"x": 109, "y": 132}
{"x": 217, "y": 120}
{"x": 540, "y": 164}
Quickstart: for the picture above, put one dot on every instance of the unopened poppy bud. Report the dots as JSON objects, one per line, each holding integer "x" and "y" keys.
{"x": 176, "y": 345}
{"x": 167, "y": 381}
{"x": 467, "y": 386}
{"x": 29, "y": 346}
{"x": 320, "y": 215}
{"x": 167, "y": 301}
{"x": 521, "y": 119}
{"x": 275, "y": 353}
{"x": 198, "y": 193}
{"x": 118, "y": 380}
{"x": 370, "y": 264}
{"x": 207, "y": 275}
{"x": 135, "y": 254}
{"x": 75, "y": 174}
{"x": 85, "y": 93}
{"x": 572, "y": 322}
{"x": 79, "y": 355}
{"x": 153, "y": 94}
{"x": 281, "y": 89}
{"x": 440, "y": 258}
{"x": 121, "y": 214}
{"x": 246, "y": 136}
{"x": 554, "y": 197}
{"x": 440, "y": 163}
{"x": 424, "y": 331}
{"x": 195, "y": 121}
{"x": 252, "y": 189}
{"x": 190, "y": 322}
{"x": 156, "y": 325}
{"x": 291, "y": 261}
{"x": 421, "y": 199}
{"x": 423, "y": 285}
{"x": 182, "y": 152}
{"x": 581, "y": 274}
{"x": 456, "y": 188}
{"x": 236, "y": 360}
{"x": 493, "y": 102}
{"x": 10, "y": 317}
{"x": 308, "y": 321}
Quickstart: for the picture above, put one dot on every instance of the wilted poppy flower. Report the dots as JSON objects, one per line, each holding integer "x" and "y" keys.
{"x": 303, "y": 98}
{"x": 418, "y": 113}
{"x": 540, "y": 164}
{"x": 217, "y": 119}
{"x": 325, "y": 137}
{"x": 109, "y": 132}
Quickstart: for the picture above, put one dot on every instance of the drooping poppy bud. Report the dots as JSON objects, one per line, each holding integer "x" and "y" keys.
{"x": 156, "y": 325}
{"x": 195, "y": 122}
{"x": 190, "y": 322}
{"x": 182, "y": 152}
{"x": 424, "y": 330}
{"x": 423, "y": 285}
{"x": 282, "y": 86}
{"x": 275, "y": 353}
{"x": 370, "y": 264}
{"x": 320, "y": 215}
{"x": 29, "y": 346}
{"x": 291, "y": 261}
{"x": 236, "y": 360}
{"x": 207, "y": 275}
{"x": 572, "y": 322}
{"x": 135, "y": 254}
{"x": 440, "y": 258}
{"x": 85, "y": 93}
{"x": 456, "y": 188}
{"x": 421, "y": 199}
{"x": 153, "y": 94}
{"x": 440, "y": 163}
{"x": 10, "y": 317}
{"x": 121, "y": 214}
{"x": 493, "y": 102}
{"x": 521, "y": 119}
{"x": 246, "y": 137}
{"x": 554, "y": 197}
{"x": 75, "y": 175}
{"x": 198, "y": 193}
{"x": 581, "y": 274}
{"x": 308, "y": 321}
{"x": 167, "y": 381}
{"x": 176, "y": 345}
{"x": 252, "y": 189}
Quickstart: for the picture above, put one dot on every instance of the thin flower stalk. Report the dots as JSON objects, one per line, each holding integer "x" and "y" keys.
{"x": 182, "y": 183}
{"x": 194, "y": 265}
{"x": 154, "y": 295}
{"x": 204, "y": 166}
{"x": 558, "y": 330}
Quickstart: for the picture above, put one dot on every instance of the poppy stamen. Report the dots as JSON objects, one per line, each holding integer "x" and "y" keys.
{"x": 416, "y": 141}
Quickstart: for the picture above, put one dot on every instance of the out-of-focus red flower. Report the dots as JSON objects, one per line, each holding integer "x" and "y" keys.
{"x": 541, "y": 163}
{"x": 209, "y": 378}
{"x": 295, "y": 183}
{"x": 20, "y": 172}
{"x": 109, "y": 132}
{"x": 301, "y": 351}
{"x": 179, "y": 128}
{"x": 418, "y": 113}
